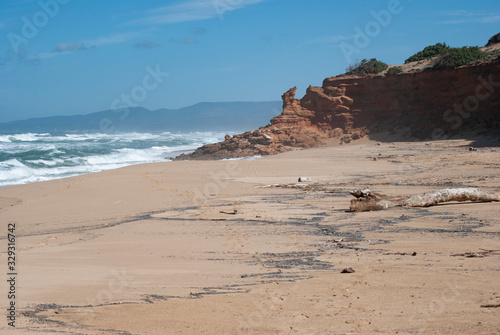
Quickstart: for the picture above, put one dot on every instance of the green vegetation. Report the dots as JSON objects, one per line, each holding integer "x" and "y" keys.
{"x": 428, "y": 52}
{"x": 366, "y": 67}
{"x": 446, "y": 58}
{"x": 394, "y": 70}
{"x": 456, "y": 57}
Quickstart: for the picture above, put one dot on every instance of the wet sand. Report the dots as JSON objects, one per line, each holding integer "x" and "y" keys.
{"x": 212, "y": 248}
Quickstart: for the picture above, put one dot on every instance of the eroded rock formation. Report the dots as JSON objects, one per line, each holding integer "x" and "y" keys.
{"x": 423, "y": 104}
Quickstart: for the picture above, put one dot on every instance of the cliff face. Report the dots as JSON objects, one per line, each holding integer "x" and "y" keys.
{"x": 420, "y": 105}
{"x": 428, "y": 104}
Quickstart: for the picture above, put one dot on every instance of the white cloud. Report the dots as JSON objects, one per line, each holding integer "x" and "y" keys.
{"x": 46, "y": 55}
{"x": 462, "y": 16}
{"x": 98, "y": 42}
{"x": 62, "y": 47}
{"x": 113, "y": 39}
{"x": 193, "y": 10}
{"x": 490, "y": 19}
{"x": 146, "y": 45}
{"x": 70, "y": 48}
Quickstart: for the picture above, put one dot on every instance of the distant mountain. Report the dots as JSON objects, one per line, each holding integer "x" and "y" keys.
{"x": 205, "y": 116}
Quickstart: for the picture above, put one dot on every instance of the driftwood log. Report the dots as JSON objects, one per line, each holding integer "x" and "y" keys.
{"x": 366, "y": 200}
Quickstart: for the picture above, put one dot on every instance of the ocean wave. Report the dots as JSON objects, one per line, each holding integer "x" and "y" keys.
{"x": 32, "y": 157}
{"x": 14, "y": 172}
{"x": 27, "y": 137}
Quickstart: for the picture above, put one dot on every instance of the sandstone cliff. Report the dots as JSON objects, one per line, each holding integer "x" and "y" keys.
{"x": 417, "y": 104}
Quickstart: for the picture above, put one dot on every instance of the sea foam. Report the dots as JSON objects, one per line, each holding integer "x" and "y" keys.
{"x": 32, "y": 157}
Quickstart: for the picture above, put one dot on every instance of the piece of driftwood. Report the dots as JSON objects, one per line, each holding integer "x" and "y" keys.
{"x": 490, "y": 306}
{"x": 234, "y": 212}
{"x": 366, "y": 200}
{"x": 482, "y": 253}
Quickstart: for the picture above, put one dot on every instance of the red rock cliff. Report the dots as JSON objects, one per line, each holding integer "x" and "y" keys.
{"x": 433, "y": 104}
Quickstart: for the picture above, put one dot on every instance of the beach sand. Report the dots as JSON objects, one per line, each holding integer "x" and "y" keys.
{"x": 209, "y": 248}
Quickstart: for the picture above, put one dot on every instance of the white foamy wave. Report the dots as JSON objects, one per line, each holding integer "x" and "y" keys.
{"x": 98, "y": 137}
{"x": 20, "y": 147}
{"x": 176, "y": 150}
{"x": 45, "y": 162}
{"x": 123, "y": 157}
{"x": 35, "y": 157}
{"x": 12, "y": 170}
{"x": 28, "y": 137}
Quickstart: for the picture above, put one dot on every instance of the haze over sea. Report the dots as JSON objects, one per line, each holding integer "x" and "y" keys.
{"x": 33, "y": 157}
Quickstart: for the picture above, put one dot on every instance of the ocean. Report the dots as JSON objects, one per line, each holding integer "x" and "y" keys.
{"x": 31, "y": 157}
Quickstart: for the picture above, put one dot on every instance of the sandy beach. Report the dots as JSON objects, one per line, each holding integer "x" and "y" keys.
{"x": 237, "y": 247}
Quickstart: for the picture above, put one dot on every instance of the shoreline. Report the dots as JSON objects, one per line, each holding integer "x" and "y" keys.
{"x": 35, "y": 157}
{"x": 200, "y": 246}
{"x": 113, "y": 169}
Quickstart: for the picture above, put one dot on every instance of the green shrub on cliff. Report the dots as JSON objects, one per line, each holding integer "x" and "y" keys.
{"x": 366, "y": 67}
{"x": 394, "y": 70}
{"x": 428, "y": 52}
{"x": 456, "y": 57}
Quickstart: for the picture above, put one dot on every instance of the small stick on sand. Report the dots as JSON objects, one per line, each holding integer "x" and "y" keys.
{"x": 491, "y": 306}
{"x": 371, "y": 201}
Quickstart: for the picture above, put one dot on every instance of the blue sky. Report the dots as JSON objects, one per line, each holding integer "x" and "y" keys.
{"x": 64, "y": 57}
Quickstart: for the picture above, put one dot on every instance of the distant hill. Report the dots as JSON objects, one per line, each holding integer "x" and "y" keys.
{"x": 205, "y": 116}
